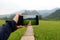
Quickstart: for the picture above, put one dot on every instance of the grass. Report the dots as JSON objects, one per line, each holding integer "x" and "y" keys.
{"x": 15, "y": 35}
{"x": 47, "y": 30}
{"x": 26, "y": 22}
{"x": 33, "y": 22}
{"x": 2, "y": 22}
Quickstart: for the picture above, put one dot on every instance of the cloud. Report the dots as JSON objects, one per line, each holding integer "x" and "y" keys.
{"x": 17, "y": 5}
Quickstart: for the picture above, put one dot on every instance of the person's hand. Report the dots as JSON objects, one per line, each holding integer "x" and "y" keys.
{"x": 16, "y": 19}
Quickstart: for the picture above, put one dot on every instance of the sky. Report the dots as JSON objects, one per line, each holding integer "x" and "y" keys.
{"x": 11, "y": 6}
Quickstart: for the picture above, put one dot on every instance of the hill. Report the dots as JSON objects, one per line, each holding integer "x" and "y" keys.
{"x": 55, "y": 15}
{"x": 41, "y": 13}
{"x": 44, "y": 13}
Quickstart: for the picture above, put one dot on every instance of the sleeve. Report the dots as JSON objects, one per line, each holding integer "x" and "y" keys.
{"x": 6, "y": 29}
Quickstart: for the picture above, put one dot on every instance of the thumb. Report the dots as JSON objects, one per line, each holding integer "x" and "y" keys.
{"x": 19, "y": 27}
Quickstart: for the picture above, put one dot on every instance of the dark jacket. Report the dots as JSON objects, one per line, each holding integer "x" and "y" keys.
{"x": 6, "y": 29}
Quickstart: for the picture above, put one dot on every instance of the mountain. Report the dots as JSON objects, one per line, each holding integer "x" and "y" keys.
{"x": 45, "y": 13}
{"x": 6, "y": 17}
{"x": 1, "y": 16}
{"x": 30, "y": 12}
{"x": 55, "y": 15}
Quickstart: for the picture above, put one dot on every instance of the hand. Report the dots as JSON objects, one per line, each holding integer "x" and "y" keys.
{"x": 16, "y": 19}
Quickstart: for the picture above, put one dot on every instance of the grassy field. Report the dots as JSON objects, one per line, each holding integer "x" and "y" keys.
{"x": 2, "y": 22}
{"x": 47, "y": 30}
{"x": 33, "y": 22}
{"x": 15, "y": 35}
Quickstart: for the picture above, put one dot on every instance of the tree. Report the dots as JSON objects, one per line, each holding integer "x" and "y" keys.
{"x": 4, "y": 18}
{"x": 40, "y": 16}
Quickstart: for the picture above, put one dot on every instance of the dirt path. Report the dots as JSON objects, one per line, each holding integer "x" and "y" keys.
{"x": 29, "y": 34}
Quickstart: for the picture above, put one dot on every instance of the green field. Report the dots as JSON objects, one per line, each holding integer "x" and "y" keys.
{"x": 2, "y": 22}
{"x": 47, "y": 30}
{"x": 33, "y": 22}
{"x": 15, "y": 35}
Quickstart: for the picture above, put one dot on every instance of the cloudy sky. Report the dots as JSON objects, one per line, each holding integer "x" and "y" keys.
{"x": 10, "y": 6}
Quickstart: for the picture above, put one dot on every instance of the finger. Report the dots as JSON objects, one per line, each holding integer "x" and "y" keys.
{"x": 19, "y": 26}
{"x": 16, "y": 17}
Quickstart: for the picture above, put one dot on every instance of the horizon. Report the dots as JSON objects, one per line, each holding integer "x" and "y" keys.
{"x": 21, "y": 11}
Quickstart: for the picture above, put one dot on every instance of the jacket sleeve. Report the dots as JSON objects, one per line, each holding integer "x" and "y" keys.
{"x": 6, "y": 29}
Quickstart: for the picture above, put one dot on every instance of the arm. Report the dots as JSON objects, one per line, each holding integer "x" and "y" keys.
{"x": 6, "y": 29}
